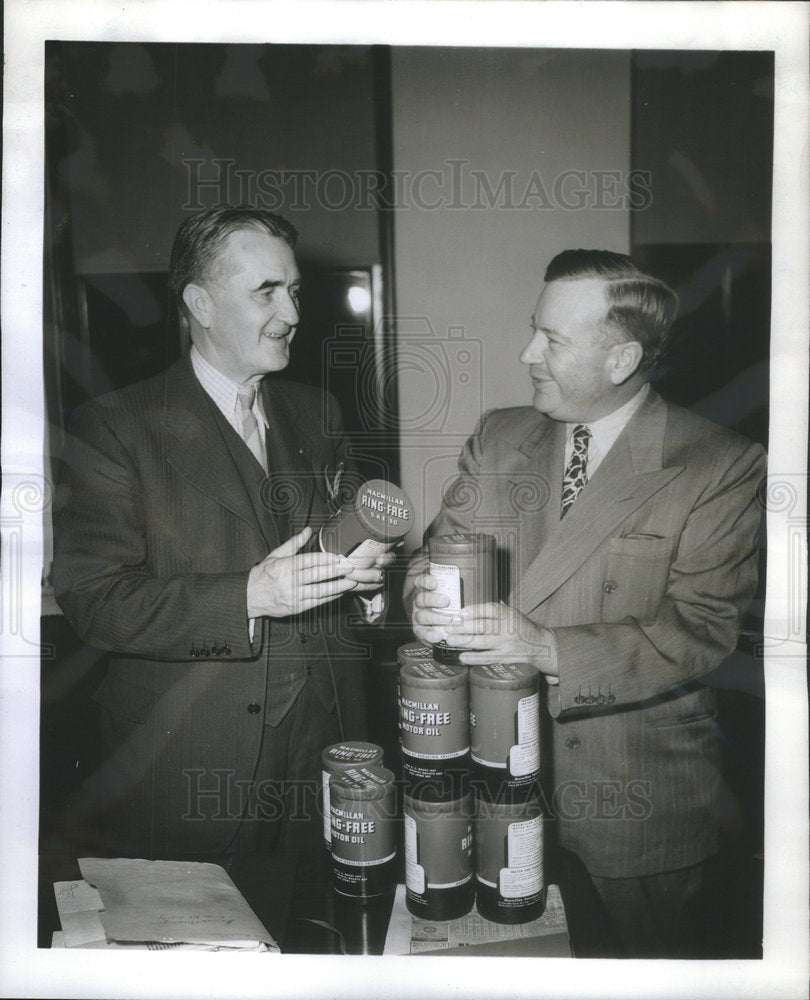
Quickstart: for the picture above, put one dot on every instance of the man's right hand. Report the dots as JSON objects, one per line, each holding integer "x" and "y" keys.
{"x": 287, "y": 582}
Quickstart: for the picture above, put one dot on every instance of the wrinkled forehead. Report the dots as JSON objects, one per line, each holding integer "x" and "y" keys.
{"x": 253, "y": 251}
{"x": 572, "y": 301}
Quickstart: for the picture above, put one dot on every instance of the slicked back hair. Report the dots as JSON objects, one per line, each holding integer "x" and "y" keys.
{"x": 200, "y": 238}
{"x": 641, "y": 308}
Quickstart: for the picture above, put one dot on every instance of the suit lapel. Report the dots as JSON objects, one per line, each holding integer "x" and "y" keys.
{"x": 291, "y": 471}
{"x": 534, "y": 486}
{"x": 197, "y": 449}
{"x": 628, "y": 476}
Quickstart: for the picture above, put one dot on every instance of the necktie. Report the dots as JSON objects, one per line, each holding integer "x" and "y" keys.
{"x": 576, "y": 474}
{"x": 246, "y": 397}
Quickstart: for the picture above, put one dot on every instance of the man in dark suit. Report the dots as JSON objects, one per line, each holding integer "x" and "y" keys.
{"x": 629, "y": 531}
{"x": 183, "y": 544}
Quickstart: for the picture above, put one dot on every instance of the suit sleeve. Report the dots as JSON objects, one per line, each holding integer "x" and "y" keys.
{"x": 103, "y": 577}
{"x": 711, "y": 580}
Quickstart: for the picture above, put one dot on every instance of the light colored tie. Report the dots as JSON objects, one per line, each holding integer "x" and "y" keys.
{"x": 576, "y": 473}
{"x": 246, "y": 396}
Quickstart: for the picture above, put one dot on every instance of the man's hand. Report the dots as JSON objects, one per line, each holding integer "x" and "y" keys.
{"x": 430, "y": 616}
{"x": 368, "y": 573}
{"x": 287, "y": 582}
{"x": 496, "y": 633}
{"x": 490, "y": 633}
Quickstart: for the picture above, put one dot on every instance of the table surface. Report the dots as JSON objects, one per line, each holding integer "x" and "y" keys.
{"x": 293, "y": 897}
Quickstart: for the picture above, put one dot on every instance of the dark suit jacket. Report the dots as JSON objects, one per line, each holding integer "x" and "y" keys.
{"x": 160, "y": 515}
{"x": 643, "y": 584}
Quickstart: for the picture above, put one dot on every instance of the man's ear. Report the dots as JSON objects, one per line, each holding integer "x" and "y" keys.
{"x": 624, "y": 360}
{"x": 199, "y": 304}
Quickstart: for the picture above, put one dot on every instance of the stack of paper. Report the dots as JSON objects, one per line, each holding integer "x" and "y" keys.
{"x": 473, "y": 935}
{"x": 130, "y": 903}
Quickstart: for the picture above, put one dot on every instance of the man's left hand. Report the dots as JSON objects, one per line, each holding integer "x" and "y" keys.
{"x": 368, "y": 573}
{"x": 496, "y": 633}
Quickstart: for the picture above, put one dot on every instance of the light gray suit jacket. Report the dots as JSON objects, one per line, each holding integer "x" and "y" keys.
{"x": 643, "y": 584}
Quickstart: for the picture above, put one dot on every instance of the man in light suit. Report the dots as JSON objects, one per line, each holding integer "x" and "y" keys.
{"x": 628, "y": 534}
{"x": 182, "y": 525}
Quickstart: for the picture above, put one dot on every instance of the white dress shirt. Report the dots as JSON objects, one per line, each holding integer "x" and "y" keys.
{"x": 223, "y": 391}
{"x": 604, "y": 431}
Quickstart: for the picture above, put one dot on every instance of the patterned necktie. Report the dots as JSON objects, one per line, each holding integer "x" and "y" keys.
{"x": 246, "y": 396}
{"x": 576, "y": 474}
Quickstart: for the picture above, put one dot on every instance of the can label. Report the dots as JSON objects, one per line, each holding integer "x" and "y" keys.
{"x": 434, "y": 724}
{"x": 524, "y": 757}
{"x": 369, "y": 548}
{"x": 340, "y": 756}
{"x": 438, "y": 851}
{"x": 505, "y": 722}
{"x": 448, "y": 578}
{"x": 492, "y": 744}
{"x": 363, "y": 833}
{"x": 327, "y": 816}
{"x": 520, "y": 844}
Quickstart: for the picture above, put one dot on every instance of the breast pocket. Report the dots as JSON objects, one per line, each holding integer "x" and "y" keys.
{"x": 635, "y": 570}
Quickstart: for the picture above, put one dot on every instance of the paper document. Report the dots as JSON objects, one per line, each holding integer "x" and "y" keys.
{"x": 410, "y": 935}
{"x": 130, "y": 903}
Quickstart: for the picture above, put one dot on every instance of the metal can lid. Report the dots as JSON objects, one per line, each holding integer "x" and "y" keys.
{"x": 350, "y": 754}
{"x": 461, "y": 543}
{"x": 461, "y": 806}
{"x": 504, "y": 676}
{"x": 369, "y": 781}
{"x": 431, "y": 674}
{"x": 413, "y": 651}
{"x": 384, "y": 510}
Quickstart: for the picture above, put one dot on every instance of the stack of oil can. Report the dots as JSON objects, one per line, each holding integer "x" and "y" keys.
{"x": 469, "y": 736}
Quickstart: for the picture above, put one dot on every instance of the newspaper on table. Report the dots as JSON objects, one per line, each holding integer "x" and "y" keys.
{"x": 410, "y": 935}
{"x": 132, "y": 903}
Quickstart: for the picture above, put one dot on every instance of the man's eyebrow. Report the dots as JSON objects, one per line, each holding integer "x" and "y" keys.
{"x": 547, "y": 330}
{"x": 276, "y": 283}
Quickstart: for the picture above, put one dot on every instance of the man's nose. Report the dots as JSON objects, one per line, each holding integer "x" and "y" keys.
{"x": 289, "y": 311}
{"x": 534, "y": 351}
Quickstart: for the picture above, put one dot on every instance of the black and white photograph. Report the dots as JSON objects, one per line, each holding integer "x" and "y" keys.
{"x": 404, "y": 499}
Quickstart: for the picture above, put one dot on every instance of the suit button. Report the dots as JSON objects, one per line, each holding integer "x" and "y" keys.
{"x": 578, "y": 700}
{"x": 226, "y": 650}
{"x": 611, "y": 698}
{"x": 205, "y": 651}
{"x": 254, "y": 708}
{"x": 610, "y": 586}
{"x": 309, "y": 670}
{"x": 600, "y": 699}
{"x": 215, "y": 650}
{"x": 194, "y": 652}
{"x": 573, "y": 742}
{"x": 302, "y": 636}
{"x": 591, "y": 699}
